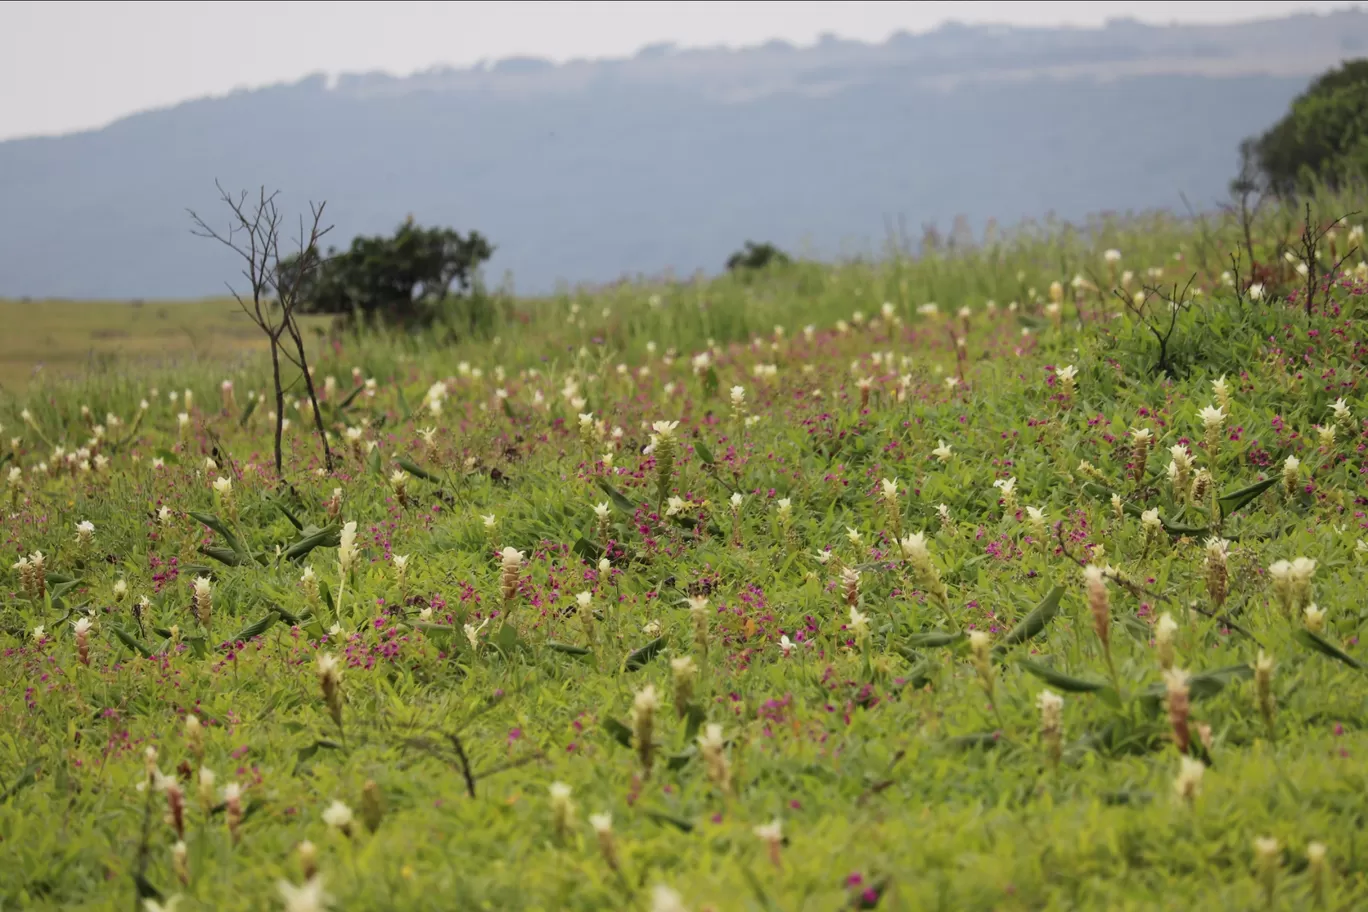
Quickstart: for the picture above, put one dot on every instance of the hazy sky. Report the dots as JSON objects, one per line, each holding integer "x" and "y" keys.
{"x": 75, "y": 65}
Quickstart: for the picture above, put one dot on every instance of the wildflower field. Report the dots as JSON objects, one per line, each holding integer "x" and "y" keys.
{"x": 1024, "y": 576}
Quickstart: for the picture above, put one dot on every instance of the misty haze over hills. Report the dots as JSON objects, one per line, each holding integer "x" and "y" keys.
{"x": 588, "y": 171}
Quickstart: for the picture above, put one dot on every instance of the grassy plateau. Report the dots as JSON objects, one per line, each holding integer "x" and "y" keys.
{"x": 1023, "y": 576}
{"x": 59, "y": 338}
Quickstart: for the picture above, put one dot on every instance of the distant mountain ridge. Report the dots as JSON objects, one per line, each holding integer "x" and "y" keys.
{"x": 670, "y": 159}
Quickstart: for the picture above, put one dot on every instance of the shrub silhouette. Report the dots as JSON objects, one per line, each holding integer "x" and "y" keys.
{"x": 756, "y": 256}
{"x": 407, "y": 279}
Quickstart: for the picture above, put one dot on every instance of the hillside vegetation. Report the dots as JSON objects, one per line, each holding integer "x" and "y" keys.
{"x": 1018, "y": 576}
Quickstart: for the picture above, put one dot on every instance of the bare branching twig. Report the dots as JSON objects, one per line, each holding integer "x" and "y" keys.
{"x": 273, "y": 293}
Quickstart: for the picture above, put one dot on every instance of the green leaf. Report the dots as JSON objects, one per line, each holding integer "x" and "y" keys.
{"x": 1138, "y": 629}
{"x": 145, "y": 889}
{"x": 198, "y": 645}
{"x": 710, "y": 383}
{"x": 403, "y": 402}
{"x": 506, "y": 638}
{"x": 1200, "y": 686}
{"x": 212, "y": 522}
{"x": 1104, "y": 493}
{"x": 587, "y": 551}
{"x": 256, "y": 628}
{"x": 217, "y": 525}
{"x": 694, "y": 717}
{"x": 1032, "y": 624}
{"x": 59, "y": 589}
{"x": 373, "y": 461}
{"x": 980, "y": 741}
{"x": 704, "y": 453}
{"x": 638, "y": 659}
{"x": 294, "y": 620}
{"x": 442, "y": 632}
{"x": 286, "y": 512}
{"x": 567, "y": 648}
{"x": 507, "y": 409}
{"x": 417, "y": 471}
{"x": 678, "y": 823}
{"x": 304, "y": 754}
{"x": 1059, "y": 680}
{"x": 1127, "y": 797}
{"x": 130, "y": 641}
{"x": 351, "y": 397}
{"x": 617, "y": 497}
{"x": 247, "y": 412}
{"x": 167, "y": 456}
{"x": 618, "y": 732}
{"x": 224, "y": 555}
{"x": 1178, "y": 531}
{"x": 680, "y": 760}
{"x": 933, "y": 639}
{"x": 329, "y": 537}
{"x": 1326, "y": 648}
{"x": 1233, "y": 501}
{"x": 26, "y": 777}
{"x": 919, "y": 675}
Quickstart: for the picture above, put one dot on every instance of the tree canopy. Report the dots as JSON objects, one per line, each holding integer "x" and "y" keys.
{"x": 1323, "y": 137}
{"x": 756, "y": 256}
{"x": 401, "y": 279}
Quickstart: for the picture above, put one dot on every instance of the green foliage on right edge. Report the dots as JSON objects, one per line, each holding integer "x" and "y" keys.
{"x": 404, "y": 280}
{"x": 1323, "y": 137}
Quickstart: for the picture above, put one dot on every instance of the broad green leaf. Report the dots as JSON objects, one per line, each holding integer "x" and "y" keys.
{"x": 256, "y": 628}
{"x": 287, "y": 513}
{"x": 979, "y": 741}
{"x": 710, "y": 383}
{"x": 417, "y": 471}
{"x": 328, "y": 537}
{"x": 26, "y": 777}
{"x": 567, "y": 648}
{"x": 638, "y": 659}
{"x": 617, "y": 497}
{"x": 130, "y": 641}
{"x": 247, "y": 412}
{"x": 932, "y": 640}
{"x": 678, "y": 823}
{"x": 224, "y": 555}
{"x": 694, "y": 717}
{"x": 1233, "y": 501}
{"x": 1032, "y": 624}
{"x": 618, "y": 732}
{"x": 1059, "y": 680}
{"x": 587, "y": 551}
{"x": 1326, "y": 648}
{"x": 223, "y": 529}
{"x": 680, "y": 760}
{"x": 57, "y": 590}
{"x": 1200, "y": 686}
{"x": 351, "y": 397}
